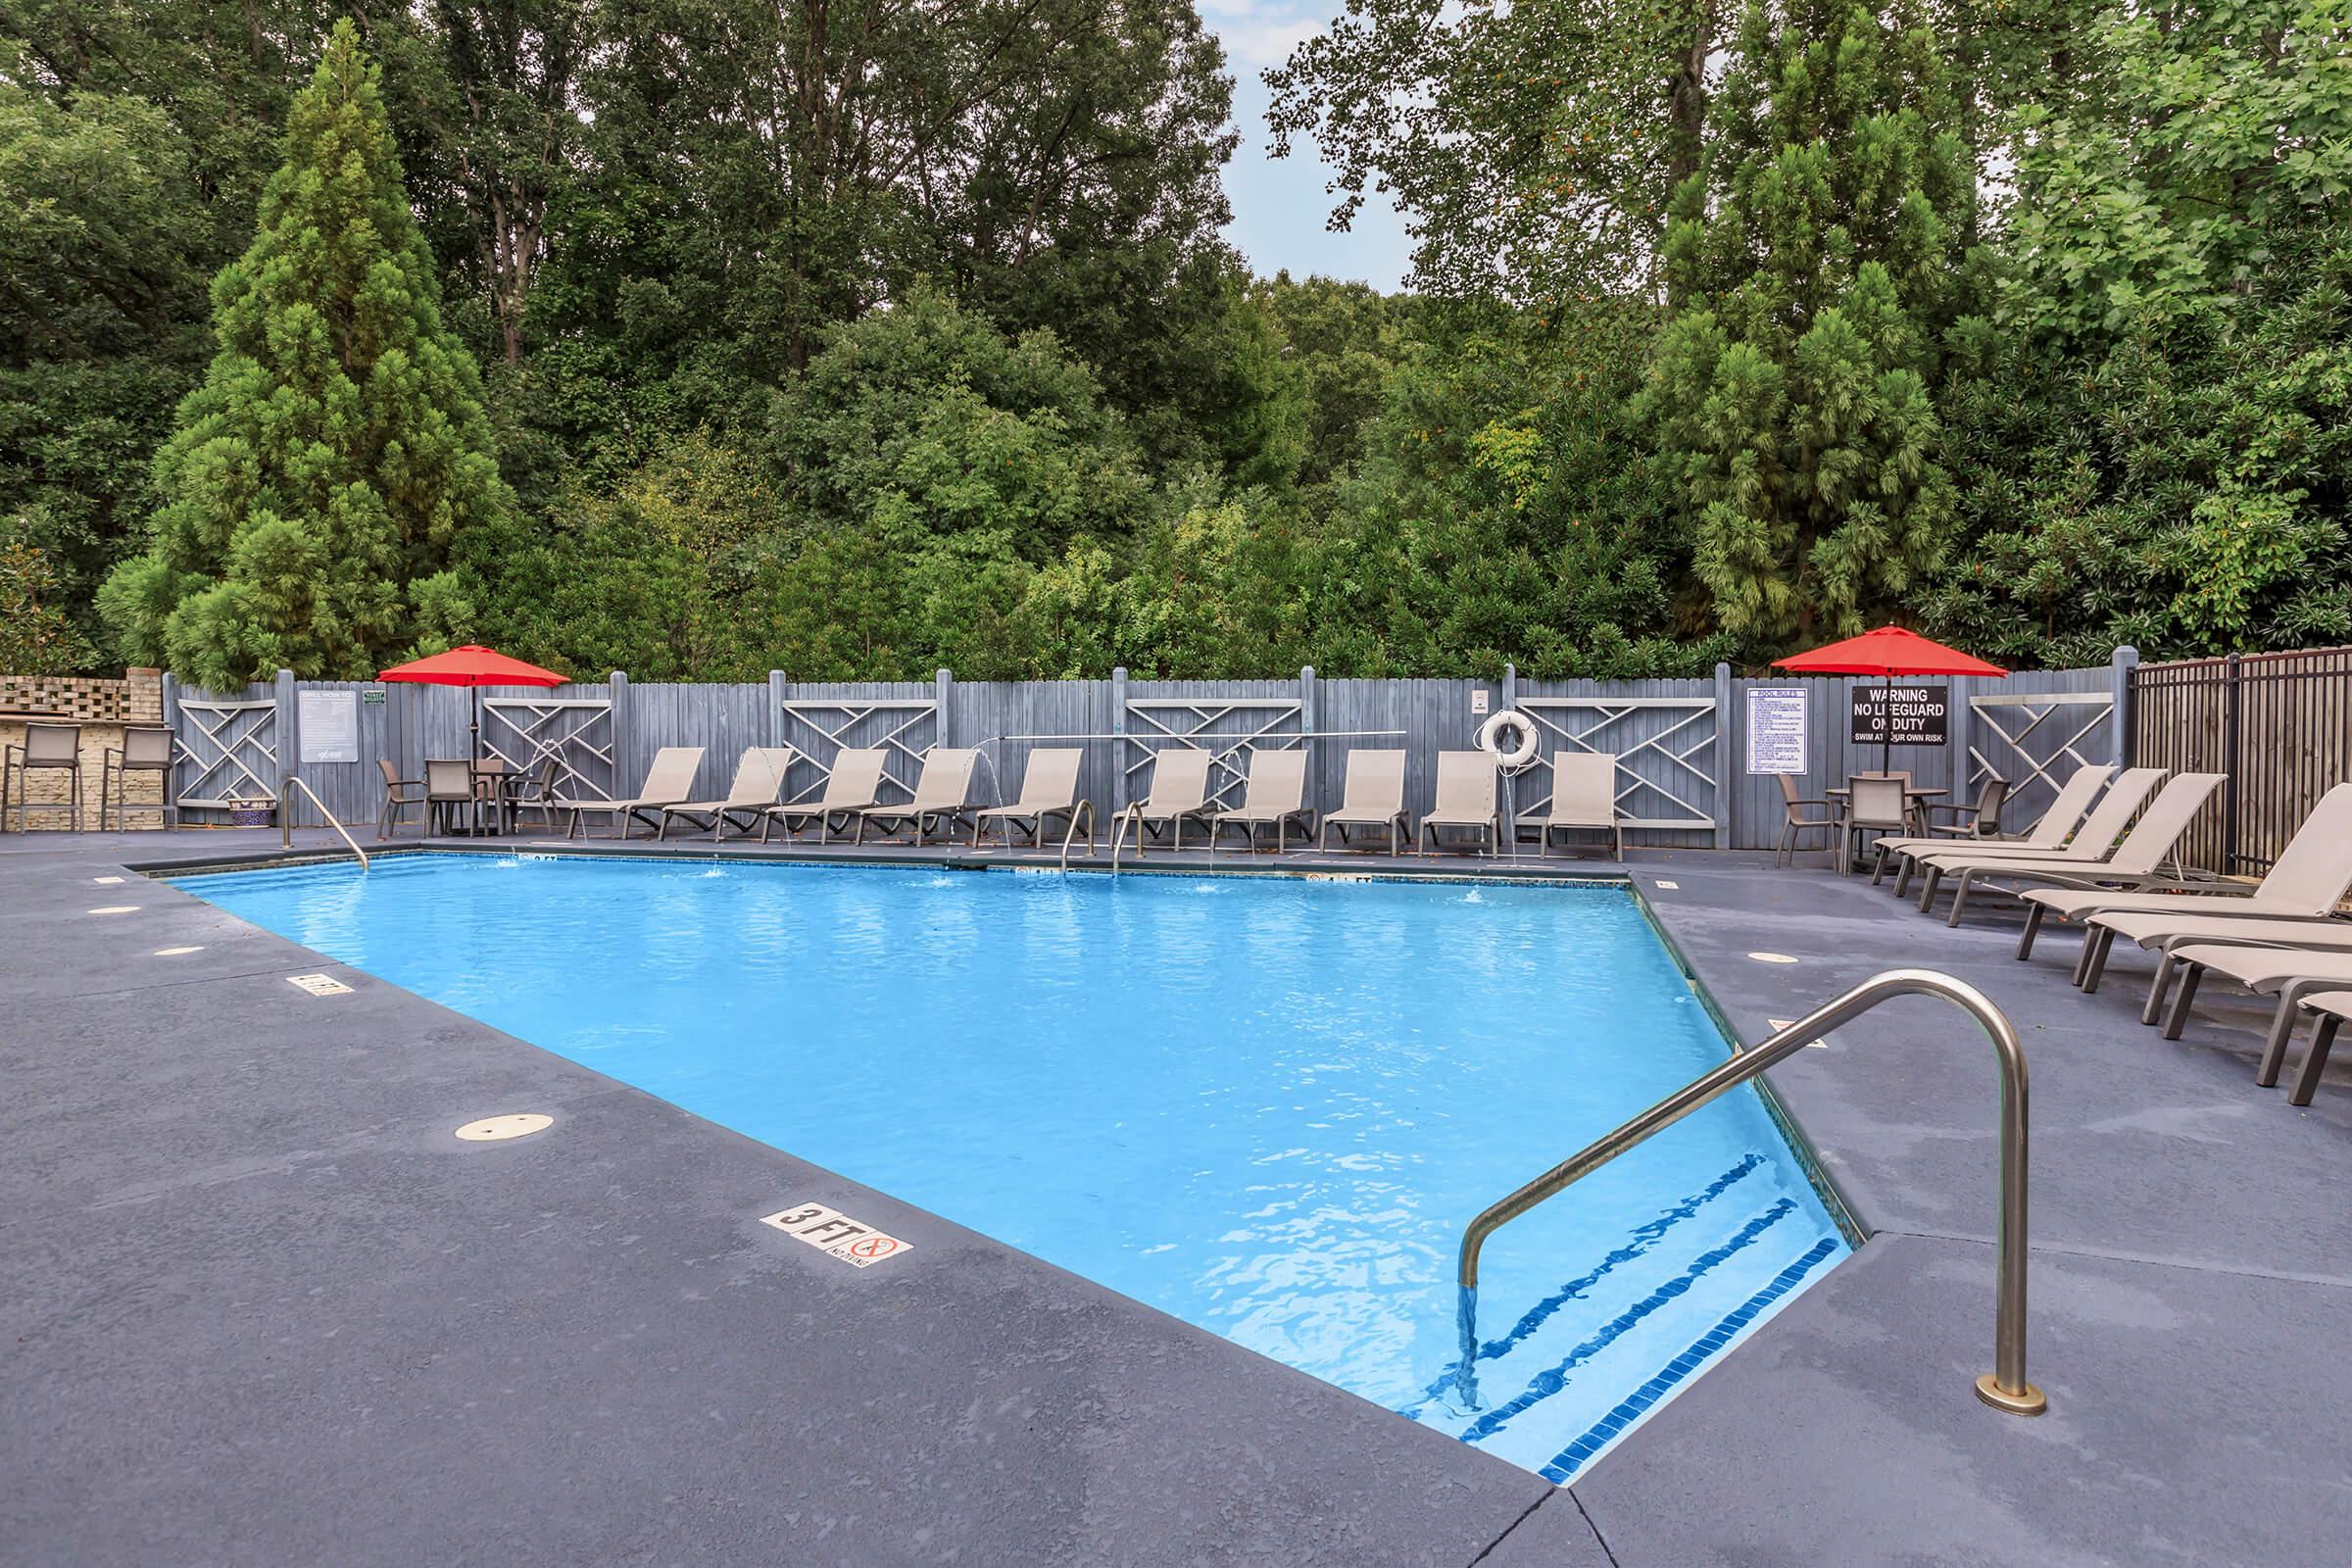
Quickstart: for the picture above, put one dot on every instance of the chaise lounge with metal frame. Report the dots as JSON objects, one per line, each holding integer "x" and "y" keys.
{"x": 669, "y": 780}
{"x": 2058, "y": 826}
{"x": 1584, "y": 799}
{"x": 854, "y": 784}
{"x": 759, "y": 779}
{"x": 942, "y": 795}
{"x": 1179, "y": 794}
{"x": 1048, "y": 789}
{"x": 1273, "y": 795}
{"x": 2136, "y": 864}
{"x": 2291, "y": 974}
{"x": 2094, "y": 843}
{"x": 1373, "y": 797}
{"x": 1466, "y": 790}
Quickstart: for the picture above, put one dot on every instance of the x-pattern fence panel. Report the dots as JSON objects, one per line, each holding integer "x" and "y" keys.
{"x": 576, "y": 731}
{"x": 1681, "y": 745}
{"x": 228, "y": 751}
{"x": 2024, "y": 751}
{"x": 1225, "y": 727}
{"x": 903, "y": 727}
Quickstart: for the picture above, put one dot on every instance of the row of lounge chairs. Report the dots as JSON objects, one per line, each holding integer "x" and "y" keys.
{"x": 2101, "y": 857}
{"x": 1180, "y": 794}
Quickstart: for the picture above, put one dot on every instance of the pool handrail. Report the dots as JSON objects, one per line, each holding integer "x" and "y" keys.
{"x": 2005, "y": 1388}
{"x": 285, "y": 819}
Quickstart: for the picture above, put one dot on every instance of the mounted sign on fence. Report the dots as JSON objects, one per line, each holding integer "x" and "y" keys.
{"x": 1776, "y": 729}
{"x": 327, "y": 724}
{"x": 1902, "y": 715}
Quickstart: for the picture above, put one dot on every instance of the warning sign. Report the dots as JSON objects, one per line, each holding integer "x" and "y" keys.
{"x": 836, "y": 1235}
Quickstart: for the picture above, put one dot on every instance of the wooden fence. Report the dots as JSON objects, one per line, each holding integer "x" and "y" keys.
{"x": 1681, "y": 745}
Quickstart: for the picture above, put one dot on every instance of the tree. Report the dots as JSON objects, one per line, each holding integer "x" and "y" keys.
{"x": 337, "y": 447}
{"x": 1817, "y": 253}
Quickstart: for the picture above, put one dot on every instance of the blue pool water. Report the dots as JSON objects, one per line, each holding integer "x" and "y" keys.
{"x": 1266, "y": 1105}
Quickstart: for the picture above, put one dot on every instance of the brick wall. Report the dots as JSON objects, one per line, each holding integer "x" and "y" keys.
{"x": 102, "y": 707}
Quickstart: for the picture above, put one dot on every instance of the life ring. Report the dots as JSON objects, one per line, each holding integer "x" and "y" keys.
{"x": 1490, "y": 738}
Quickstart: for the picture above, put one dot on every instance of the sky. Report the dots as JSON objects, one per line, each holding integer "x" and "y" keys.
{"x": 1280, "y": 205}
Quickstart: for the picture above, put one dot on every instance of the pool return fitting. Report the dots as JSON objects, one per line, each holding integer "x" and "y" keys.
{"x": 2004, "y": 1388}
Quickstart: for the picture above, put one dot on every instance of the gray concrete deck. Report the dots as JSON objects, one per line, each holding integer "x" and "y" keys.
{"x": 264, "y": 1308}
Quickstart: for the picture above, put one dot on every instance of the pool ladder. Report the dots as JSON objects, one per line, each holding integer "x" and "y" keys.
{"x": 2005, "y": 1386}
{"x": 285, "y": 819}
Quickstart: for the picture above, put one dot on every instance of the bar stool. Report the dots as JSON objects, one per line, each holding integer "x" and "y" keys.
{"x": 146, "y": 749}
{"x": 49, "y": 748}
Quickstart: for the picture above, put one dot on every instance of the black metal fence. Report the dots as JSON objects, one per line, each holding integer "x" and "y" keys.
{"x": 2279, "y": 726}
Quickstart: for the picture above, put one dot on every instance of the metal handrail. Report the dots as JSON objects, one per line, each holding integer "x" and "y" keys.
{"x": 2005, "y": 1386}
{"x": 285, "y": 820}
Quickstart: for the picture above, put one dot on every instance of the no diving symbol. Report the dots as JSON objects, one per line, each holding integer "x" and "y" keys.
{"x": 873, "y": 1249}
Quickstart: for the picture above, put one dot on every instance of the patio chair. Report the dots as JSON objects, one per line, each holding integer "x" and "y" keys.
{"x": 2136, "y": 864}
{"x": 2331, "y": 1009}
{"x": 1179, "y": 795}
{"x": 146, "y": 749}
{"x": 1794, "y": 823}
{"x": 1274, "y": 795}
{"x": 399, "y": 795}
{"x": 943, "y": 793}
{"x": 2094, "y": 839}
{"x": 448, "y": 785}
{"x": 1048, "y": 789}
{"x": 667, "y": 781}
{"x": 1872, "y": 806}
{"x": 47, "y": 748}
{"x": 854, "y": 783}
{"x": 1466, "y": 786}
{"x": 2048, "y": 836}
{"x": 2307, "y": 880}
{"x": 1373, "y": 797}
{"x": 1584, "y": 799}
{"x": 2288, "y": 973}
{"x": 759, "y": 779}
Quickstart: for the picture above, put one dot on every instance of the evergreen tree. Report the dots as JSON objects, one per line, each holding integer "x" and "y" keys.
{"x": 318, "y": 478}
{"x": 1816, "y": 259}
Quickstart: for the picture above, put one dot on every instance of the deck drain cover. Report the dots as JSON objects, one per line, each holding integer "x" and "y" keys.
{"x": 1771, "y": 958}
{"x": 516, "y": 1124}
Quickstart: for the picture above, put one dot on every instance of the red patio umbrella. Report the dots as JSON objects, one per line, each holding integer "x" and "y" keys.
{"x": 1887, "y": 652}
{"x": 476, "y": 667}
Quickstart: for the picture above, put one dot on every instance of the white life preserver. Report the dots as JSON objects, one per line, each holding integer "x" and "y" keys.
{"x": 1490, "y": 738}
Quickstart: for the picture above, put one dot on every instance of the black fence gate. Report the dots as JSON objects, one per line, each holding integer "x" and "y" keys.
{"x": 2279, "y": 726}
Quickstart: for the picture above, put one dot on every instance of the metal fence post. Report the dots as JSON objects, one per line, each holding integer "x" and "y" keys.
{"x": 2232, "y": 752}
{"x": 283, "y": 731}
{"x": 2121, "y": 703}
{"x": 1727, "y": 731}
{"x": 1118, "y": 747}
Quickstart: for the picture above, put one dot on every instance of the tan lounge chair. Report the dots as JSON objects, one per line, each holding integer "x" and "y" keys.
{"x": 2073, "y": 818}
{"x": 1584, "y": 799}
{"x": 2095, "y": 841}
{"x": 2288, "y": 973}
{"x": 943, "y": 793}
{"x": 2049, "y": 833}
{"x": 1273, "y": 796}
{"x": 1465, "y": 798}
{"x": 1048, "y": 789}
{"x": 1374, "y": 798}
{"x": 2307, "y": 881}
{"x": 1179, "y": 795}
{"x": 669, "y": 780}
{"x": 2331, "y": 1009}
{"x": 758, "y": 780}
{"x": 2167, "y": 932}
{"x": 854, "y": 784}
{"x": 2136, "y": 864}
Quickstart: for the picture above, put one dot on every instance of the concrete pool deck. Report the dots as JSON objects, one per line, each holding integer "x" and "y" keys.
{"x": 266, "y": 1309}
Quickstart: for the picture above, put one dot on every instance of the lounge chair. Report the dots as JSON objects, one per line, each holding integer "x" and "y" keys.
{"x": 1794, "y": 823}
{"x": 2049, "y": 836}
{"x": 1981, "y": 821}
{"x": 943, "y": 793}
{"x": 2094, "y": 840}
{"x": 1373, "y": 798}
{"x": 1048, "y": 789}
{"x": 1466, "y": 782}
{"x": 2307, "y": 881}
{"x": 669, "y": 780}
{"x": 2288, "y": 973}
{"x": 758, "y": 780}
{"x": 2331, "y": 1009}
{"x": 1179, "y": 795}
{"x": 1273, "y": 796}
{"x": 854, "y": 784}
{"x": 2136, "y": 864}
{"x": 2167, "y": 932}
{"x": 1584, "y": 799}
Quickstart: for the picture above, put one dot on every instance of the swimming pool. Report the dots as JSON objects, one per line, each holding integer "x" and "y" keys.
{"x": 1266, "y": 1106}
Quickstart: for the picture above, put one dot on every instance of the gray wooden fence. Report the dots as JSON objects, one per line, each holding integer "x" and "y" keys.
{"x": 1680, "y": 744}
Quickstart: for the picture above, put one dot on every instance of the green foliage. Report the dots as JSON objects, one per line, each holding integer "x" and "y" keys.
{"x": 1817, "y": 253}
{"x": 35, "y": 637}
{"x": 337, "y": 446}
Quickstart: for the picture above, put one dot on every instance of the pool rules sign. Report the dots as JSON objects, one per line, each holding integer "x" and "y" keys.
{"x": 1902, "y": 715}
